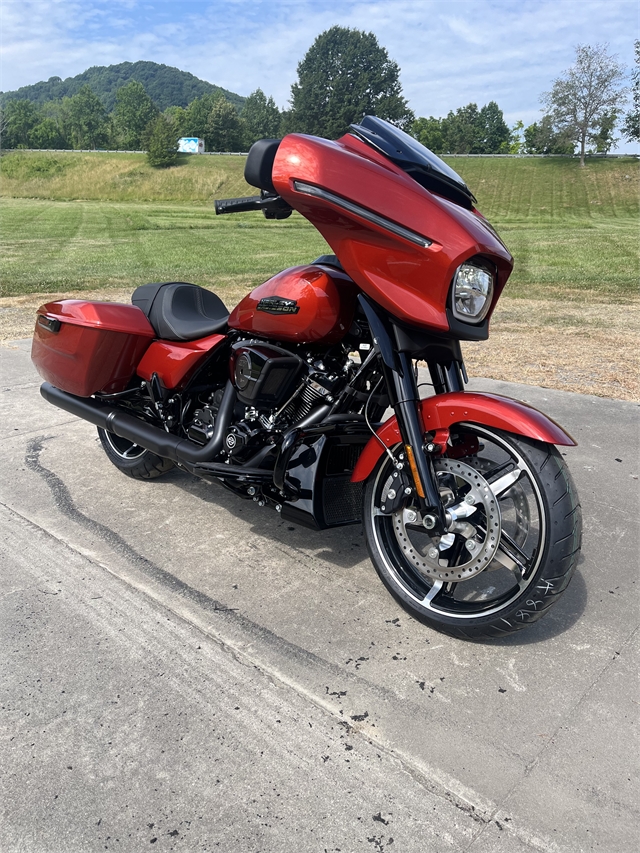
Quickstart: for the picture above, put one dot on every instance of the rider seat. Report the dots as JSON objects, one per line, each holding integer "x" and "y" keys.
{"x": 179, "y": 311}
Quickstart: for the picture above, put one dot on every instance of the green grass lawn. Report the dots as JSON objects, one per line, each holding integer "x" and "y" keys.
{"x": 75, "y": 221}
{"x": 50, "y": 246}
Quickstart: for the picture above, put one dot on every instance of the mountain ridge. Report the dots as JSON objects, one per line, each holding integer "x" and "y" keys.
{"x": 166, "y": 85}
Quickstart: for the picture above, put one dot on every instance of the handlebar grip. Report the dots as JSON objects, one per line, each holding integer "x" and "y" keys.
{"x": 238, "y": 205}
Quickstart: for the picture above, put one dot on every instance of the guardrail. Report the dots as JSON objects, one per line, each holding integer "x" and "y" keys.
{"x": 116, "y": 151}
{"x": 244, "y": 153}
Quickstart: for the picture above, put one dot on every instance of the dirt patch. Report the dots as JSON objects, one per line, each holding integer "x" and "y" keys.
{"x": 588, "y": 347}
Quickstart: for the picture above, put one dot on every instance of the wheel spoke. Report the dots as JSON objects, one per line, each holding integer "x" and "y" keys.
{"x": 436, "y": 588}
{"x": 446, "y": 541}
{"x": 500, "y": 486}
{"x": 513, "y": 545}
{"x": 510, "y": 562}
{"x": 491, "y": 474}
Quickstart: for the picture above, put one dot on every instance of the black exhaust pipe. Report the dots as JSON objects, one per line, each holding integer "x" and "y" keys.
{"x": 145, "y": 435}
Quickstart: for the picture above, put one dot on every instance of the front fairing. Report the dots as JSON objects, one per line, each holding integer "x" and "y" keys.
{"x": 409, "y": 280}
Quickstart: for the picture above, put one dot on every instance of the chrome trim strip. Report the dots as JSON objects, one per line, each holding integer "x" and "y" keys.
{"x": 398, "y": 230}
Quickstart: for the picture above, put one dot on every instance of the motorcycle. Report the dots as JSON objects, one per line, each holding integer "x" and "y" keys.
{"x": 470, "y": 515}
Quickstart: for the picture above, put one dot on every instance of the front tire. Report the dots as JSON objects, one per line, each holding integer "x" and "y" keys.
{"x": 131, "y": 459}
{"x": 512, "y": 545}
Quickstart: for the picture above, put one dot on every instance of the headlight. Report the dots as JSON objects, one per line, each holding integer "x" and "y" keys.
{"x": 472, "y": 291}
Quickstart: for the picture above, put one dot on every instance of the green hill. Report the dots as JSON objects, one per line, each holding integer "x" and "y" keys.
{"x": 166, "y": 86}
{"x": 509, "y": 190}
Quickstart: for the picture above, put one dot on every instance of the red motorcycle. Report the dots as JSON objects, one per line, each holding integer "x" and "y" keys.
{"x": 470, "y": 515}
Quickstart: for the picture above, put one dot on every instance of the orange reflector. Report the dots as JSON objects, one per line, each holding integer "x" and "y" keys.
{"x": 414, "y": 470}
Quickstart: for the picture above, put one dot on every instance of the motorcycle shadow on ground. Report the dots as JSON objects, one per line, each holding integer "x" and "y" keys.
{"x": 341, "y": 546}
{"x": 345, "y": 548}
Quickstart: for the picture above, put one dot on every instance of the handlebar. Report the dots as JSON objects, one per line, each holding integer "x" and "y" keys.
{"x": 272, "y": 206}
{"x": 238, "y": 205}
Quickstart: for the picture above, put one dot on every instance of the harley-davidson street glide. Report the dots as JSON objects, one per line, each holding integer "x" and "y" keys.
{"x": 469, "y": 512}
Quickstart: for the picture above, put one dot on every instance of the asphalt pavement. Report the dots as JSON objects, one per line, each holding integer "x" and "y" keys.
{"x": 183, "y": 670}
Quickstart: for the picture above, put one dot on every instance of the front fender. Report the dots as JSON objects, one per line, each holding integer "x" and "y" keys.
{"x": 444, "y": 410}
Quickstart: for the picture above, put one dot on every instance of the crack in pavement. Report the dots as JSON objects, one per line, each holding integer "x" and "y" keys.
{"x": 66, "y": 505}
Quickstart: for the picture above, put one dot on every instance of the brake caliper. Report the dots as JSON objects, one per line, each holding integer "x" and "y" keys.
{"x": 397, "y": 492}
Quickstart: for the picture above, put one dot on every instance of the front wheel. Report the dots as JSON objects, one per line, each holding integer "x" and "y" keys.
{"x": 513, "y": 538}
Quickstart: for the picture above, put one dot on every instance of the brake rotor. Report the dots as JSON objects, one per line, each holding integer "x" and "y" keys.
{"x": 461, "y": 487}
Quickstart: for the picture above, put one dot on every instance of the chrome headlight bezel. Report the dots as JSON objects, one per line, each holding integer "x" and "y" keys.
{"x": 472, "y": 290}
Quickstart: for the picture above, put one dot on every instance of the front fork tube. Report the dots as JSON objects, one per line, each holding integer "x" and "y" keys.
{"x": 405, "y": 400}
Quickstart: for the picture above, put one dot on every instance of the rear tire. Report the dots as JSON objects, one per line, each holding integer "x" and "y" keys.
{"x": 131, "y": 459}
{"x": 506, "y": 561}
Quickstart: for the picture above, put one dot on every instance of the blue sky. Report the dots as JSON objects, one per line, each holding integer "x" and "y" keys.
{"x": 450, "y": 53}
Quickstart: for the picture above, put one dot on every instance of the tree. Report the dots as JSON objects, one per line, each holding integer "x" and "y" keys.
{"x": 225, "y": 129}
{"x": 462, "y": 130}
{"x": 468, "y": 130}
{"x": 541, "y": 138}
{"x": 19, "y": 119}
{"x": 46, "y": 134}
{"x": 261, "y": 118}
{"x": 603, "y": 139}
{"x": 430, "y": 133}
{"x": 134, "y": 111}
{"x": 88, "y": 120}
{"x": 345, "y": 75}
{"x": 591, "y": 88}
{"x": 178, "y": 116}
{"x": 631, "y": 126}
{"x": 58, "y": 112}
{"x": 493, "y": 130}
{"x": 162, "y": 142}
{"x": 197, "y": 116}
{"x": 516, "y": 139}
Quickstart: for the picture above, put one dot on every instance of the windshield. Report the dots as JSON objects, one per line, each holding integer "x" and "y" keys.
{"x": 423, "y": 165}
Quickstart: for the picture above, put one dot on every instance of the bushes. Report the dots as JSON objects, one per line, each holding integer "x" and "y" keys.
{"x": 161, "y": 143}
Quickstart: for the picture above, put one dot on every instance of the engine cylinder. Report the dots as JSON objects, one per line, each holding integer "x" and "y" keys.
{"x": 264, "y": 375}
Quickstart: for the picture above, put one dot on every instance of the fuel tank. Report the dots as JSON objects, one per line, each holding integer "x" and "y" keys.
{"x": 311, "y": 304}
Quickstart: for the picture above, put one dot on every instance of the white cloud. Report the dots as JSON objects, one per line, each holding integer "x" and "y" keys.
{"x": 450, "y": 53}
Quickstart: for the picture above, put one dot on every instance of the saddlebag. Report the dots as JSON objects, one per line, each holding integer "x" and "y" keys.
{"x": 87, "y": 347}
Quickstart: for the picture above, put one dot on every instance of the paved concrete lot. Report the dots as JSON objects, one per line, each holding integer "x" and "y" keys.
{"x": 183, "y": 670}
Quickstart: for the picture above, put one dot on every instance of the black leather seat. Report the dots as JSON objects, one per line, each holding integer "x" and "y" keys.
{"x": 179, "y": 311}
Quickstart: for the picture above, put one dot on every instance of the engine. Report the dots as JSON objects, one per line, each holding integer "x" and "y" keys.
{"x": 275, "y": 389}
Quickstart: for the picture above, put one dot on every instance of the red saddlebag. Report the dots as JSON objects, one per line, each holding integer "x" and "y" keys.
{"x": 86, "y": 347}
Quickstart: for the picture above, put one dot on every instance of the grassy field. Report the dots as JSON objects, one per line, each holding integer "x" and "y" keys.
{"x": 85, "y": 221}
{"x": 55, "y": 246}
{"x": 100, "y": 224}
